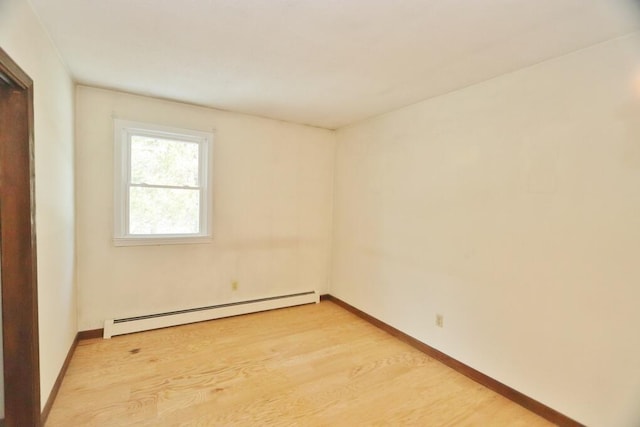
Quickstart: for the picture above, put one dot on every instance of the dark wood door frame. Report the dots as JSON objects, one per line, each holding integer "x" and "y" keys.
{"x": 18, "y": 247}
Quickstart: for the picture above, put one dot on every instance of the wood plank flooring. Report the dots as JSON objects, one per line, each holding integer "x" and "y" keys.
{"x": 314, "y": 365}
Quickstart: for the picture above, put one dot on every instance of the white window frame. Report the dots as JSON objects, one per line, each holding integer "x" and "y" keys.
{"x": 123, "y": 131}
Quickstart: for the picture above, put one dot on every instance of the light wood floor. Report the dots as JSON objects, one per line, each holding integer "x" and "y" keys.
{"x": 311, "y": 365}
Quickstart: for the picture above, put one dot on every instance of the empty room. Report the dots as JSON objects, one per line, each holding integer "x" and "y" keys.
{"x": 306, "y": 212}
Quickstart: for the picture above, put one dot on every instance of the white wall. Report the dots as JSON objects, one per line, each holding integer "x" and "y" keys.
{"x": 272, "y": 196}
{"x": 512, "y": 207}
{"x": 24, "y": 39}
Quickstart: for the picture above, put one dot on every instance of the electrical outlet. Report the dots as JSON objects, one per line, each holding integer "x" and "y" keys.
{"x": 439, "y": 320}
{"x": 234, "y": 285}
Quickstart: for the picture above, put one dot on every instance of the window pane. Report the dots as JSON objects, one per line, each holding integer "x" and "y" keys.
{"x": 164, "y": 211}
{"x": 163, "y": 162}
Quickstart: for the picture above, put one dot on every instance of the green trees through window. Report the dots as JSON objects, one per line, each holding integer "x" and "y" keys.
{"x": 164, "y": 194}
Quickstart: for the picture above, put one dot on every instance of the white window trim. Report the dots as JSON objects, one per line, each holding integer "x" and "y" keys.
{"x": 123, "y": 130}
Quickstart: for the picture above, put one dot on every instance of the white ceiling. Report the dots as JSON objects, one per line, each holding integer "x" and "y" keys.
{"x": 326, "y": 63}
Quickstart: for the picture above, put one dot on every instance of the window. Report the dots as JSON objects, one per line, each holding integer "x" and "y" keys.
{"x": 161, "y": 188}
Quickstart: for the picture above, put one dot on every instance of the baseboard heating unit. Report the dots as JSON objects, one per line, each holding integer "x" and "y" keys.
{"x": 113, "y": 327}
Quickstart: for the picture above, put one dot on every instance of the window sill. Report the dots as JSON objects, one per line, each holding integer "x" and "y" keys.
{"x": 164, "y": 240}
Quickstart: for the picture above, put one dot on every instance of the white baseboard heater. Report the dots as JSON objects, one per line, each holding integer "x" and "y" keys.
{"x": 113, "y": 327}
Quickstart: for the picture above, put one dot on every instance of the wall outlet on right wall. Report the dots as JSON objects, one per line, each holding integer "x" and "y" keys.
{"x": 439, "y": 320}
